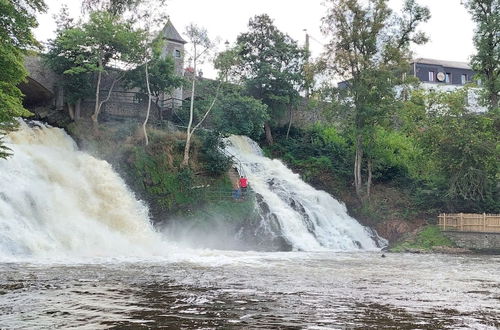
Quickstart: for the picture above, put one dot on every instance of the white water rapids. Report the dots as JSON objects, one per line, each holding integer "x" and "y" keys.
{"x": 309, "y": 219}
{"x": 58, "y": 201}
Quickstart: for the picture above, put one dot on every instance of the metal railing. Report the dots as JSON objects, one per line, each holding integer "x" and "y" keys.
{"x": 225, "y": 194}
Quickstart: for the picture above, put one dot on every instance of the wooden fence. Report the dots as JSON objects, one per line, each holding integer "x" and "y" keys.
{"x": 486, "y": 223}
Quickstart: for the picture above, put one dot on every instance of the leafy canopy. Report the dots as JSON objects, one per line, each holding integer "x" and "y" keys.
{"x": 270, "y": 64}
{"x": 486, "y": 62}
{"x": 17, "y": 18}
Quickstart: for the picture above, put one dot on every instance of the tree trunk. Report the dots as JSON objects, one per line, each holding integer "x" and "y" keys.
{"x": 78, "y": 108}
{"x": 97, "y": 91}
{"x": 289, "y": 121}
{"x": 149, "y": 107}
{"x": 269, "y": 135}
{"x": 185, "y": 161}
{"x": 369, "y": 180}
{"x": 71, "y": 111}
{"x": 357, "y": 166}
{"x": 494, "y": 100}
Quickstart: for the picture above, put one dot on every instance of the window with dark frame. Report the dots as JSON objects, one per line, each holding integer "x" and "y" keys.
{"x": 448, "y": 78}
{"x": 431, "y": 75}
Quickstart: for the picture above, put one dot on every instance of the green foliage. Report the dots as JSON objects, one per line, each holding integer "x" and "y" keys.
{"x": 426, "y": 239}
{"x": 81, "y": 50}
{"x": 270, "y": 64}
{"x": 207, "y": 90}
{"x": 17, "y": 18}
{"x": 162, "y": 75}
{"x": 458, "y": 151}
{"x": 486, "y": 61}
{"x": 68, "y": 56}
{"x": 110, "y": 37}
{"x": 369, "y": 47}
{"x": 169, "y": 187}
{"x": 397, "y": 156}
{"x": 235, "y": 113}
{"x": 114, "y": 7}
{"x": 316, "y": 152}
{"x": 215, "y": 162}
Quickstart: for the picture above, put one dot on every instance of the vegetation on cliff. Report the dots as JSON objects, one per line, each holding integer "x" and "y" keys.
{"x": 155, "y": 174}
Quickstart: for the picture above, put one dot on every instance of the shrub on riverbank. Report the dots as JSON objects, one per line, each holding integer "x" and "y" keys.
{"x": 426, "y": 239}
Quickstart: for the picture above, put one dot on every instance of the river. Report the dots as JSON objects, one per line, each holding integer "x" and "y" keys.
{"x": 293, "y": 290}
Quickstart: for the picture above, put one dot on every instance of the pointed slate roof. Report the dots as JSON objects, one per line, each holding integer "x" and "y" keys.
{"x": 170, "y": 33}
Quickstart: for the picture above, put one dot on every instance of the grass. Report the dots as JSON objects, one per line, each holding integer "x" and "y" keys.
{"x": 426, "y": 239}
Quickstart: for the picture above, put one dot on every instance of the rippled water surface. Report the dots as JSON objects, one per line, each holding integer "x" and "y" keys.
{"x": 255, "y": 290}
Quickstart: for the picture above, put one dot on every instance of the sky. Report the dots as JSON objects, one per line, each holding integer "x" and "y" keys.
{"x": 450, "y": 29}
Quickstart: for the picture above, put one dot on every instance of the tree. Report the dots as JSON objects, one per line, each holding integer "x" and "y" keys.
{"x": 85, "y": 49}
{"x": 271, "y": 66}
{"x": 200, "y": 46}
{"x": 486, "y": 62}
{"x": 460, "y": 150}
{"x": 114, "y": 7}
{"x": 240, "y": 114}
{"x": 17, "y": 18}
{"x": 111, "y": 38}
{"x": 369, "y": 48}
{"x": 155, "y": 76}
{"x": 158, "y": 69}
{"x": 67, "y": 57}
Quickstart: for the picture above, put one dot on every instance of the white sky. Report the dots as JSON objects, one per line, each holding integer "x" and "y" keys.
{"x": 450, "y": 28}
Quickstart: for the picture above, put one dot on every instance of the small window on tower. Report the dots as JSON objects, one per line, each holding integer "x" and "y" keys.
{"x": 177, "y": 53}
{"x": 448, "y": 78}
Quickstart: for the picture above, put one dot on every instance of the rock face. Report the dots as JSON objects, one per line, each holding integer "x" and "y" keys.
{"x": 264, "y": 231}
{"x": 392, "y": 230}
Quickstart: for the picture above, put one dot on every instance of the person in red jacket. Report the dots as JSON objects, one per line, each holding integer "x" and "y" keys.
{"x": 243, "y": 184}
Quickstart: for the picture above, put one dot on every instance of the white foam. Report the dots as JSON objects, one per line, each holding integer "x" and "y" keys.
{"x": 310, "y": 219}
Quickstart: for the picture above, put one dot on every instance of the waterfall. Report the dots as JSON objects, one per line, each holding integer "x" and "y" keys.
{"x": 308, "y": 219}
{"x": 58, "y": 201}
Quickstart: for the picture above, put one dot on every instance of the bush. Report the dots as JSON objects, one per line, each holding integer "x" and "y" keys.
{"x": 215, "y": 162}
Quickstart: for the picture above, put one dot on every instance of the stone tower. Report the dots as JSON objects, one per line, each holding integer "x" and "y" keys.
{"x": 174, "y": 47}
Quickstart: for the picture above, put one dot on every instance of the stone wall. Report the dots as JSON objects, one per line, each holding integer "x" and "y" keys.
{"x": 40, "y": 73}
{"x": 113, "y": 109}
{"x": 307, "y": 113}
{"x": 477, "y": 241}
{"x": 304, "y": 118}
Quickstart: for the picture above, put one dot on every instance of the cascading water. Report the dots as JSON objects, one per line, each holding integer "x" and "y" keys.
{"x": 308, "y": 219}
{"x": 57, "y": 201}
